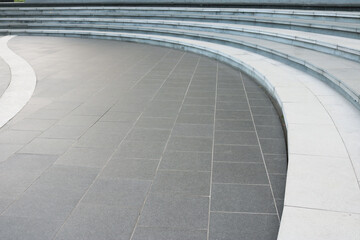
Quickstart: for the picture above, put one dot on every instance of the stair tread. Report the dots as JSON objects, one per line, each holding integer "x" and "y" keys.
{"x": 335, "y": 40}
{"x": 277, "y": 20}
{"x": 345, "y": 71}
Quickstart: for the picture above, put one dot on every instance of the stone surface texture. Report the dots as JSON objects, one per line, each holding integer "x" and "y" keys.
{"x": 131, "y": 141}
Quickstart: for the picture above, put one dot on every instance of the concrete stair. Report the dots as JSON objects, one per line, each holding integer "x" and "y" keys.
{"x": 344, "y": 25}
{"x": 314, "y": 54}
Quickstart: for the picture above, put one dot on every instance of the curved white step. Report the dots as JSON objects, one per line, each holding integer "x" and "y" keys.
{"x": 350, "y": 29}
{"x": 334, "y": 43}
{"x": 4, "y": 76}
{"x": 343, "y": 77}
{"x": 22, "y": 84}
{"x": 224, "y": 11}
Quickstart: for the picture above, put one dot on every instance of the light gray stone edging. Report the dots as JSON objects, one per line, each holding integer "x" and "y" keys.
{"x": 22, "y": 84}
{"x": 322, "y": 74}
{"x": 228, "y": 2}
{"x": 296, "y": 39}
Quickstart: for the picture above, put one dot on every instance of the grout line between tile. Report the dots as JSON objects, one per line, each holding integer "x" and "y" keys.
{"x": 261, "y": 151}
{"x": 157, "y": 169}
{"x": 213, "y": 151}
{"x": 58, "y": 230}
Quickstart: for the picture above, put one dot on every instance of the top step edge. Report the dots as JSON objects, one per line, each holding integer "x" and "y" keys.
{"x": 234, "y": 10}
{"x": 351, "y": 5}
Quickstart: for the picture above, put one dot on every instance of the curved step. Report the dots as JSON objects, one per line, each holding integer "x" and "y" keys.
{"x": 4, "y": 76}
{"x": 351, "y": 30}
{"x": 301, "y": 14}
{"x": 346, "y": 85}
{"x": 349, "y": 48}
{"x": 22, "y": 84}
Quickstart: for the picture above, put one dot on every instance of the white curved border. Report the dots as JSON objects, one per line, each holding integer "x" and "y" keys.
{"x": 22, "y": 84}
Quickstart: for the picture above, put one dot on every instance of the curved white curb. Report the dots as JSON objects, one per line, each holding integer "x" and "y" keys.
{"x": 22, "y": 84}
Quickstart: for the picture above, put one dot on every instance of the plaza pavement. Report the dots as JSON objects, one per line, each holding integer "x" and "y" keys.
{"x": 131, "y": 141}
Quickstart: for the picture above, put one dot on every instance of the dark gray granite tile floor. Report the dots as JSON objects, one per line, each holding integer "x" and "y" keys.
{"x": 136, "y": 142}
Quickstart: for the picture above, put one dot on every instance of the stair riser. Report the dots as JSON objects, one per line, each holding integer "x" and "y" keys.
{"x": 132, "y": 27}
{"x": 116, "y": 12}
{"x": 342, "y": 32}
{"x": 291, "y": 61}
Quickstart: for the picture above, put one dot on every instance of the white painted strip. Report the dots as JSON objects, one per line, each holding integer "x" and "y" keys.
{"x": 22, "y": 84}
